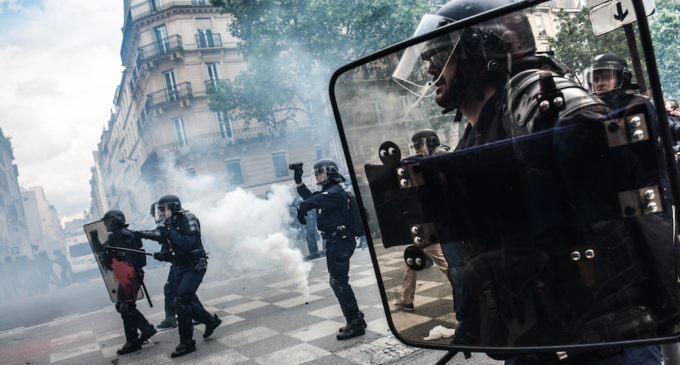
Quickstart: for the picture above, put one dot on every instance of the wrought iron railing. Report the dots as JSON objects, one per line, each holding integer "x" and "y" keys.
{"x": 153, "y": 6}
{"x": 159, "y": 48}
{"x": 217, "y": 139}
{"x": 169, "y": 95}
{"x": 211, "y": 40}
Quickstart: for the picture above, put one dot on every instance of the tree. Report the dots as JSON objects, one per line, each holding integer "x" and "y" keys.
{"x": 665, "y": 28}
{"x": 292, "y": 47}
{"x": 575, "y": 44}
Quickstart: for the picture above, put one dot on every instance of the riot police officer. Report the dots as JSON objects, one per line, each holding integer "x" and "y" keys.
{"x": 133, "y": 319}
{"x": 333, "y": 215}
{"x": 426, "y": 142}
{"x": 609, "y": 77}
{"x": 490, "y": 74}
{"x": 183, "y": 231}
{"x": 165, "y": 255}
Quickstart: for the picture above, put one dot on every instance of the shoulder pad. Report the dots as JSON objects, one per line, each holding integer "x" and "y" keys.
{"x": 520, "y": 98}
{"x": 190, "y": 224}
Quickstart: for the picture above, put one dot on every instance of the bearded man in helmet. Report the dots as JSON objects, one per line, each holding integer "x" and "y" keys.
{"x": 489, "y": 73}
{"x": 333, "y": 214}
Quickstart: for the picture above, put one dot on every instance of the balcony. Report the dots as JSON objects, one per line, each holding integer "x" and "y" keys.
{"x": 227, "y": 138}
{"x": 167, "y": 96}
{"x": 211, "y": 40}
{"x": 159, "y": 48}
{"x": 150, "y": 7}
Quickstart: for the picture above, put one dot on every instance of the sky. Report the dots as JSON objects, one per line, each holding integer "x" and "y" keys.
{"x": 60, "y": 65}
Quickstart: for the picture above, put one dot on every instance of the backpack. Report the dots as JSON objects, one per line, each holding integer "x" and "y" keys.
{"x": 355, "y": 224}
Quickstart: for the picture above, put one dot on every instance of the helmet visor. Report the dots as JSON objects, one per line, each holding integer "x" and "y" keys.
{"x": 412, "y": 71}
{"x": 418, "y": 147}
{"x": 603, "y": 78}
{"x": 321, "y": 175}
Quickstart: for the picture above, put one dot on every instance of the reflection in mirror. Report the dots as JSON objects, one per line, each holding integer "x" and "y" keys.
{"x": 512, "y": 198}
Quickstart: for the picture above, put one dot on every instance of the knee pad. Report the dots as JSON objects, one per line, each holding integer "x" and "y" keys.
{"x": 336, "y": 285}
{"x": 167, "y": 289}
{"x": 179, "y": 304}
{"x": 125, "y": 309}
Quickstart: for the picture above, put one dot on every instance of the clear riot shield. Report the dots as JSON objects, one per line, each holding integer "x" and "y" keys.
{"x": 554, "y": 213}
{"x": 119, "y": 275}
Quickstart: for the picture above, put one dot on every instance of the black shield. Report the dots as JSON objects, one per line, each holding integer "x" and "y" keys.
{"x": 121, "y": 280}
{"x": 555, "y": 212}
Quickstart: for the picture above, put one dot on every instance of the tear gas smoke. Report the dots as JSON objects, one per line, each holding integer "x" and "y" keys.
{"x": 241, "y": 232}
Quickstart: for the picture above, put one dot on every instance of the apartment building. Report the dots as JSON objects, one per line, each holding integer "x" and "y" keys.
{"x": 43, "y": 221}
{"x": 14, "y": 238}
{"x": 161, "y": 130}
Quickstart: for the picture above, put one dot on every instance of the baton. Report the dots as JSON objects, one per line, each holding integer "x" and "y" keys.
{"x": 127, "y": 249}
{"x": 148, "y": 298}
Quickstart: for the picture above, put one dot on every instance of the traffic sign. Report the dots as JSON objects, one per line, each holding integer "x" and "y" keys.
{"x": 16, "y": 250}
{"x": 615, "y": 14}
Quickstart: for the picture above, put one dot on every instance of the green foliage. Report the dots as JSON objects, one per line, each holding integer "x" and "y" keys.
{"x": 665, "y": 29}
{"x": 575, "y": 44}
{"x": 292, "y": 47}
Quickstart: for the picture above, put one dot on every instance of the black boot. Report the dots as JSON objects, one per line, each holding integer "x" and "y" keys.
{"x": 132, "y": 344}
{"x": 129, "y": 347}
{"x": 168, "y": 323}
{"x": 363, "y": 323}
{"x": 210, "y": 326}
{"x": 356, "y": 328}
{"x": 147, "y": 331}
{"x": 187, "y": 345}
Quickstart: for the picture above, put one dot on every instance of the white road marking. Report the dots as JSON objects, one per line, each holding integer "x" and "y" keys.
{"x": 77, "y": 351}
{"x": 294, "y": 302}
{"x": 72, "y": 338}
{"x": 245, "y": 307}
{"x": 228, "y": 357}
{"x": 316, "y": 331}
{"x": 111, "y": 351}
{"x": 59, "y": 319}
{"x": 247, "y": 337}
{"x": 223, "y": 299}
{"x": 293, "y": 355}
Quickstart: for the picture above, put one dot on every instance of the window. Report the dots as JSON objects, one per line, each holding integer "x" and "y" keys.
{"x": 170, "y": 85}
{"x": 355, "y": 150}
{"x": 319, "y": 152}
{"x": 190, "y": 172}
{"x": 539, "y": 25}
{"x": 205, "y": 36}
{"x": 80, "y": 249}
{"x": 280, "y": 164}
{"x": 180, "y": 132}
{"x": 377, "y": 111}
{"x": 404, "y": 101}
{"x": 213, "y": 71}
{"x": 234, "y": 172}
{"x": 224, "y": 124}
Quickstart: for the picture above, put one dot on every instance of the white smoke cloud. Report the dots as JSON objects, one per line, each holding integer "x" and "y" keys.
{"x": 242, "y": 232}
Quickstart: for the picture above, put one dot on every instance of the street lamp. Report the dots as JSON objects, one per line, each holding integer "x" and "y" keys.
{"x": 122, "y": 160}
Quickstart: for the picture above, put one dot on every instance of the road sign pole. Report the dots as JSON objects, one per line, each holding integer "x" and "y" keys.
{"x": 635, "y": 56}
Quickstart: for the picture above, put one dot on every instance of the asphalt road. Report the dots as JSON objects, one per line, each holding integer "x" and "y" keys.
{"x": 265, "y": 321}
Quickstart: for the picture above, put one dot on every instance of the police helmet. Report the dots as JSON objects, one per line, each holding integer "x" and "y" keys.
{"x": 608, "y": 73}
{"x": 117, "y": 216}
{"x": 152, "y": 209}
{"x": 330, "y": 170}
{"x": 482, "y": 50}
{"x": 170, "y": 202}
{"x": 424, "y": 137}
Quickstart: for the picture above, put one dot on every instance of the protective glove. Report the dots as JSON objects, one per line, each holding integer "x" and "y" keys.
{"x": 301, "y": 216}
{"x": 297, "y": 175}
{"x": 164, "y": 224}
{"x": 162, "y": 256}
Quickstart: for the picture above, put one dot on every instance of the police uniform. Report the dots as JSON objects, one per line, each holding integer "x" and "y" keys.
{"x": 333, "y": 216}
{"x": 189, "y": 265}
